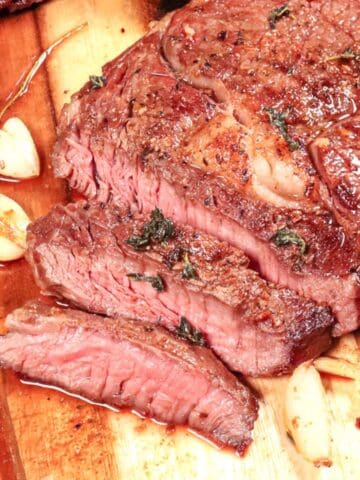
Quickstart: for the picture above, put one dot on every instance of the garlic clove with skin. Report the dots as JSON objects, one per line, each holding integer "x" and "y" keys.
{"x": 18, "y": 155}
{"x": 13, "y": 224}
{"x": 307, "y": 415}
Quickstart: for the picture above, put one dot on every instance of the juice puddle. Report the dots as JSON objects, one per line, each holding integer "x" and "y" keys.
{"x": 25, "y": 381}
{"x": 10, "y": 180}
{"x": 169, "y": 429}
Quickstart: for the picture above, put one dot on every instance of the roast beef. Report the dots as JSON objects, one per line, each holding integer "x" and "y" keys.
{"x": 336, "y": 153}
{"x": 217, "y": 117}
{"x": 109, "y": 262}
{"x": 125, "y": 363}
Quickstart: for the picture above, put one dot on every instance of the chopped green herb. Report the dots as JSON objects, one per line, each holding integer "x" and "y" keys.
{"x": 347, "y": 54}
{"x": 156, "y": 282}
{"x": 188, "y": 332}
{"x": 139, "y": 243}
{"x": 278, "y": 120}
{"x": 158, "y": 229}
{"x": 189, "y": 271}
{"x": 284, "y": 237}
{"x": 97, "y": 81}
{"x": 172, "y": 257}
{"x": 277, "y": 14}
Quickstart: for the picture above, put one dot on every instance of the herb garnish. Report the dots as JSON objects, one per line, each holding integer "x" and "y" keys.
{"x": 284, "y": 237}
{"x": 172, "y": 257}
{"x": 278, "y": 120}
{"x": 189, "y": 271}
{"x": 156, "y": 282}
{"x": 188, "y": 332}
{"x": 97, "y": 81}
{"x": 25, "y": 83}
{"x": 277, "y": 14}
{"x": 158, "y": 229}
{"x": 347, "y": 54}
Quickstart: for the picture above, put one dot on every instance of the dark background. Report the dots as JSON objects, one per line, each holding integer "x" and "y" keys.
{"x": 168, "y": 5}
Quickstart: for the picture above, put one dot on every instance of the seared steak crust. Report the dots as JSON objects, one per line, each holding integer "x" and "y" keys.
{"x": 130, "y": 364}
{"x": 80, "y": 253}
{"x": 210, "y": 117}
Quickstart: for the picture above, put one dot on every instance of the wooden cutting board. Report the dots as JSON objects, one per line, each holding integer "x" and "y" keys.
{"x": 45, "y": 435}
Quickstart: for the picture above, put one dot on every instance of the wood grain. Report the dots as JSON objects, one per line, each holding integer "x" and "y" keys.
{"x": 19, "y": 46}
{"x": 11, "y": 467}
{"x": 45, "y": 435}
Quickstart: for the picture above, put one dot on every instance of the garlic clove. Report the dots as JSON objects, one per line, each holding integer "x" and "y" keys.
{"x": 337, "y": 366}
{"x": 347, "y": 349}
{"x": 18, "y": 154}
{"x": 307, "y": 415}
{"x": 13, "y": 224}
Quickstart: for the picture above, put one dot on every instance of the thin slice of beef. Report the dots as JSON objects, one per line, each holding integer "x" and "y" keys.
{"x": 337, "y": 155}
{"x": 130, "y": 364}
{"x": 210, "y": 116}
{"x": 108, "y": 262}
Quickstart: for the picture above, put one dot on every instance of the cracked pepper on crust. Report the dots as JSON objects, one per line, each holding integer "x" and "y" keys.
{"x": 218, "y": 116}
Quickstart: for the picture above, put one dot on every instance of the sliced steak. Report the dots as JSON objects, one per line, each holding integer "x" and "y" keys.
{"x": 81, "y": 253}
{"x": 337, "y": 155}
{"x": 130, "y": 364}
{"x": 210, "y": 116}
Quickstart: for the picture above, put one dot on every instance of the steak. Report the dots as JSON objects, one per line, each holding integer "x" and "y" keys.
{"x": 108, "y": 262}
{"x": 230, "y": 119}
{"x": 14, "y": 5}
{"x": 130, "y": 364}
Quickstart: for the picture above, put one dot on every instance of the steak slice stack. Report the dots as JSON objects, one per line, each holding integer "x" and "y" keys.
{"x": 107, "y": 261}
{"x": 130, "y": 364}
{"x": 217, "y": 117}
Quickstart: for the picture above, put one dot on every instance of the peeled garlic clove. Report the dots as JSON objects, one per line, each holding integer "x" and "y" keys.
{"x": 18, "y": 154}
{"x": 307, "y": 416}
{"x": 346, "y": 348}
{"x": 13, "y": 223}
{"x": 337, "y": 366}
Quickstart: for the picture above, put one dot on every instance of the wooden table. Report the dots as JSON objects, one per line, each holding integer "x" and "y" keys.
{"x": 45, "y": 435}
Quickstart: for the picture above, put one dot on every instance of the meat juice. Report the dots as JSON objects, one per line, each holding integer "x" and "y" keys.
{"x": 168, "y": 429}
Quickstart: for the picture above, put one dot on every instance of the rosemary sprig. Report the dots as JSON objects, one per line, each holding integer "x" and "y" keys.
{"x": 24, "y": 86}
{"x": 347, "y": 54}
